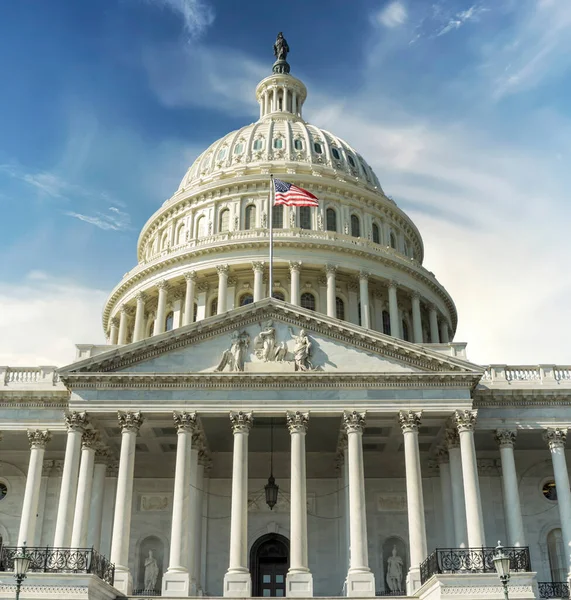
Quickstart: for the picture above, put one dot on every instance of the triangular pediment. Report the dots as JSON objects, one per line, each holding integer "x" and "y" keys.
{"x": 266, "y": 338}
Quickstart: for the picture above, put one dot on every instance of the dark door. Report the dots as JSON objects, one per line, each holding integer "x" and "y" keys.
{"x": 272, "y": 577}
{"x": 269, "y": 565}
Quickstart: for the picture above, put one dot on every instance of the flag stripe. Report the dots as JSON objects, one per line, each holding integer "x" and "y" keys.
{"x": 289, "y": 194}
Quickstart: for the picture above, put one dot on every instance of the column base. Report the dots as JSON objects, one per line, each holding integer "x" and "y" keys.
{"x": 360, "y": 584}
{"x": 238, "y": 584}
{"x": 299, "y": 585}
{"x": 177, "y": 584}
{"x": 123, "y": 581}
{"x": 412, "y": 581}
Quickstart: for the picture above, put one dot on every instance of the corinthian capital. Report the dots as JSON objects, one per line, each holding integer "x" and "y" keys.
{"x": 465, "y": 420}
{"x": 222, "y": 269}
{"x": 410, "y": 421}
{"x": 163, "y": 284}
{"x": 297, "y": 422}
{"x": 103, "y": 454}
{"x": 38, "y": 438}
{"x": 451, "y": 436}
{"x": 442, "y": 456}
{"x": 555, "y": 437}
{"x": 330, "y": 269}
{"x": 505, "y": 438}
{"x": 190, "y": 276}
{"x": 90, "y": 438}
{"x": 354, "y": 422}
{"x": 76, "y": 421}
{"x": 258, "y": 265}
{"x": 241, "y": 421}
{"x": 295, "y": 265}
{"x": 185, "y": 421}
{"x": 130, "y": 421}
{"x": 141, "y": 297}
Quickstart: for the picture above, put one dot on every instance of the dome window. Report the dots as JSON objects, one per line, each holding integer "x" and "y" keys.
{"x": 393, "y": 241}
{"x": 278, "y": 216}
{"x": 308, "y": 301}
{"x": 278, "y": 295}
{"x": 222, "y": 154}
{"x": 305, "y": 217}
{"x": 250, "y": 217}
{"x": 386, "y": 322}
{"x": 365, "y": 172}
{"x": 239, "y": 148}
{"x": 298, "y": 144}
{"x": 258, "y": 144}
{"x": 201, "y": 227}
{"x": 335, "y": 153}
{"x": 355, "y": 226}
{"x": 405, "y": 333}
{"x": 278, "y": 143}
{"x": 214, "y": 307}
{"x": 194, "y": 312}
{"x": 331, "y": 219}
{"x": 169, "y": 321}
{"x": 351, "y": 160}
{"x": 339, "y": 309}
{"x": 246, "y": 299}
{"x": 376, "y": 234}
{"x": 318, "y": 148}
{"x": 224, "y": 222}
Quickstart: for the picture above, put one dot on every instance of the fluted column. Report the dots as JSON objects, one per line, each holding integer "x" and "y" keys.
{"x": 457, "y": 486}
{"x": 76, "y": 423}
{"x": 360, "y": 579}
{"x": 193, "y": 542}
{"x": 295, "y": 271}
{"x": 443, "y": 460}
{"x": 130, "y": 424}
{"x": 84, "y": 488}
{"x": 330, "y": 271}
{"x": 433, "y": 320}
{"x": 197, "y": 517}
{"x": 258, "y": 268}
{"x": 444, "y": 337}
{"x": 512, "y": 508}
{"x": 102, "y": 458}
{"x": 38, "y": 440}
{"x": 160, "y": 320}
{"x": 466, "y": 422}
{"x": 364, "y": 299}
{"x": 410, "y": 422}
{"x": 114, "y": 331}
{"x": 124, "y": 313}
{"x": 299, "y": 581}
{"x": 222, "y": 287}
{"x": 556, "y": 438}
{"x": 237, "y": 580}
{"x": 394, "y": 310}
{"x": 188, "y": 316}
{"x": 139, "y": 329}
{"x": 416, "y": 319}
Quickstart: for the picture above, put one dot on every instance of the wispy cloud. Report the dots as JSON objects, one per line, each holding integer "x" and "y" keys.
{"x": 392, "y": 15}
{"x": 196, "y": 15}
{"x": 46, "y": 183}
{"x": 113, "y": 220}
{"x": 462, "y": 17}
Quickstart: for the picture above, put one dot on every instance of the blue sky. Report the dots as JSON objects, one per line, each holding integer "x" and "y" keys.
{"x": 462, "y": 107}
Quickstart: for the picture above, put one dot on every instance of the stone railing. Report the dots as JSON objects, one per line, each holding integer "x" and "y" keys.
{"x": 28, "y": 375}
{"x": 534, "y": 374}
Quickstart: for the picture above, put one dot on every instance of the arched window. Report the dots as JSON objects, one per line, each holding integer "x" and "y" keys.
{"x": 164, "y": 240}
{"x": 298, "y": 144}
{"x": 376, "y": 234}
{"x": 195, "y": 312}
{"x": 359, "y": 316}
{"x": 556, "y": 553}
{"x": 308, "y": 300}
{"x": 201, "y": 227}
{"x": 250, "y": 217}
{"x": 331, "y": 219}
{"x": 278, "y": 216}
{"x": 386, "y": 322}
{"x": 224, "y": 220}
{"x": 246, "y": 299}
{"x": 406, "y": 248}
{"x": 151, "y": 330}
{"x": 169, "y": 321}
{"x": 339, "y": 309}
{"x": 305, "y": 217}
{"x": 278, "y": 295}
{"x": 214, "y": 307}
{"x": 180, "y": 235}
{"x": 393, "y": 240}
{"x": 355, "y": 226}
{"x": 405, "y": 335}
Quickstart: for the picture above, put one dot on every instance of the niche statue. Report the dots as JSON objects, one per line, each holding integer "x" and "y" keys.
{"x": 151, "y": 573}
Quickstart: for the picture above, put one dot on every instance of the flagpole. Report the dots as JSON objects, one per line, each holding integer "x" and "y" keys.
{"x": 271, "y": 218}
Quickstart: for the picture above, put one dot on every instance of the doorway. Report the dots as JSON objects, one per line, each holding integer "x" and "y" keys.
{"x": 269, "y": 562}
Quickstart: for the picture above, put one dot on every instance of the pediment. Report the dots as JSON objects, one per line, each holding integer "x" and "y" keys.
{"x": 266, "y": 338}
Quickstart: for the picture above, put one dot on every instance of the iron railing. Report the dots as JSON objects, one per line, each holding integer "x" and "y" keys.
{"x": 147, "y": 593}
{"x": 471, "y": 560}
{"x": 46, "y": 559}
{"x": 553, "y": 589}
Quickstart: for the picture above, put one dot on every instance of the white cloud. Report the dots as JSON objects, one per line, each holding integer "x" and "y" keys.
{"x": 115, "y": 219}
{"x": 392, "y": 15}
{"x": 196, "y": 15}
{"x": 471, "y": 14}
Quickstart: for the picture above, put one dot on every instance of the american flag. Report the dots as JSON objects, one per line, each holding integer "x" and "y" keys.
{"x": 291, "y": 195}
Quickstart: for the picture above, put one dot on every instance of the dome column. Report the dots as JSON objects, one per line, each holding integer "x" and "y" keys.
{"x": 125, "y": 312}
{"x": 138, "y": 332}
{"x": 457, "y": 486}
{"x": 364, "y": 299}
{"x": 295, "y": 271}
{"x": 330, "y": 271}
{"x": 114, "y": 331}
{"x": 416, "y": 319}
{"x": 258, "y": 268}
{"x": 433, "y": 319}
{"x": 222, "y": 288}
{"x": 394, "y": 310}
{"x": 161, "y": 307}
{"x": 188, "y": 317}
{"x": 444, "y": 336}
{"x": 84, "y": 489}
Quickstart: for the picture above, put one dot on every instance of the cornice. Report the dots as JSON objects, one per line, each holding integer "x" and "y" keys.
{"x": 531, "y": 398}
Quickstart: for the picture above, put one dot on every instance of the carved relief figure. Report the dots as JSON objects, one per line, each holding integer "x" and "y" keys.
{"x": 151, "y": 572}
{"x": 235, "y": 355}
{"x": 394, "y": 571}
{"x": 265, "y": 342}
{"x": 302, "y": 351}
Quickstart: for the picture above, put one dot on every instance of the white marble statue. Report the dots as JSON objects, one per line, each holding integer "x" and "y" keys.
{"x": 302, "y": 351}
{"x": 394, "y": 571}
{"x": 265, "y": 342}
{"x": 151, "y": 572}
{"x": 234, "y": 357}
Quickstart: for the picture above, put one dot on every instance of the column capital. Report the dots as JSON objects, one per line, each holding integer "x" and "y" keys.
{"x": 330, "y": 269}
{"x": 222, "y": 269}
{"x": 241, "y": 421}
{"x": 48, "y": 466}
{"x": 191, "y": 276}
{"x": 126, "y": 309}
{"x": 76, "y": 421}
{"x": 295, "y": 265}
{"x": 90, "y": 439}
{"x": 204, "y": 459}
{"x": 103, "y": 454}
{"x": 114, "y": 321}
{"x": 163, "y": 284}
{"x": 38, "y": 438}
{"x": 185, "y": 422}
{"x": 555, "y": 437}
{"x": 297, "y": 422}
{"x": 505, "y": 438}
{"x": 465, "y": 420}
{"x": 141, "y": 297}
{"x": 451, "y": 436}
{"x": 353, "y": 421}
{"x": 432, "y": 308}
{"x": 130, "y": 421}
{"x": 393, "y": 284}
{"x": 353, "y": 286}
{"x": 410, "y": 421}
{"x": 364, "y": 275}
{"x": 416, "y": 295}
{"x": 442, "y": 456}
{"x": 258, "y": 265}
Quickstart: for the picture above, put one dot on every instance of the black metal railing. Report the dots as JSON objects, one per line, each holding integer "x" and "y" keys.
{"x": 471, "y": 560}
{"x": 45, "y": 559}
{"x": 148, "y": 593}
{"x": 553, "y": 589}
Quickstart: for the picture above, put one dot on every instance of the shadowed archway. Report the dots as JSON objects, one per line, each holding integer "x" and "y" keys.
{"x": 269, "y": 562}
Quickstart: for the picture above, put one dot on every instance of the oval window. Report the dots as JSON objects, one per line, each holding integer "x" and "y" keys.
{"x": 3, "y": 490}
{"x": 549, "y": 491}
{"x": 318, "y": 148}
{"x": 335, "y": 153}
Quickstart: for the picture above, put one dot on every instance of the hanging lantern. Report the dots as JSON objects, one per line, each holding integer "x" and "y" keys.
{"x": 271, "y": 488}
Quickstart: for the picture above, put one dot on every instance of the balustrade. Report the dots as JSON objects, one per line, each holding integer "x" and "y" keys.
{"x": 553, "y": 589}
{"x": 29, "y": 375}
{"x": 527, "y": 373}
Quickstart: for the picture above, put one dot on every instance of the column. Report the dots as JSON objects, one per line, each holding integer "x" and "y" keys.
{"x": 394, "y": 310}
{"x": 188, "y": 316}
{"x": 299, "y": 581}
{"x": 192, "y": 543}
{"x": 114, "y": 333}
{"x": 198, "y": 508}
{"x": 556, "y": 438}
{"x": 443, "y": 460}
{"x": 514, "y": 521}
{"x": 433, "y": 320}
{"x": 360, "y": 579}
{"x": 130, "y": 424}
{"x": 84, "y": 489}
{"x": 237, "y": 580}
{"x": 457, "y": 485}
{"x": 139, "y": 329}
{"x": 258, "y": 267}
{"x": 76, "y": 423}
{"x": 444, "y": 338}
{"x": 295, "y": 271}
{"x": 38, "y": 440}
{"x": 410, "y": 422}
{"x": 466, "y": 422}
{"x": 161, "y": 307}
{"x": 102, "y": 458}
{"x": 222, "y": 287}
{"x": 416, "y": 319}
{"x": 124, "y": 312}
{"x": 364, "y": 299}
{"x": 330, "y": 271}
{"x": 176, "y": 581}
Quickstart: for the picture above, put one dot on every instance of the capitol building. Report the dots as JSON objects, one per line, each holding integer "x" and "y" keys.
{"x": 325, "y": 436}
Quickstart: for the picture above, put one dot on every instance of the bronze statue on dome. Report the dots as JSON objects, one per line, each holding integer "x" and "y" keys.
{"x": 281, "y": 50}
